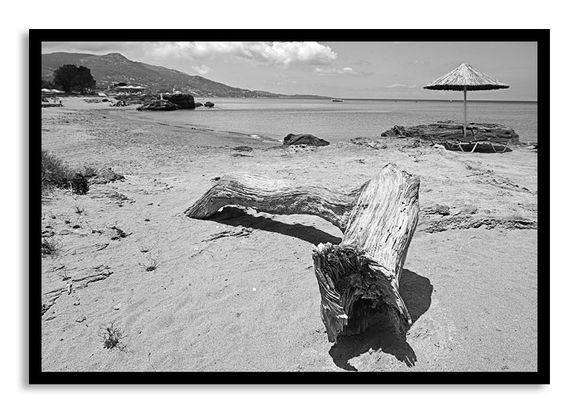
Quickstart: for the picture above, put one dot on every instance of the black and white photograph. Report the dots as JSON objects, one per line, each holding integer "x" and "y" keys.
{"x": 289, "y": 203}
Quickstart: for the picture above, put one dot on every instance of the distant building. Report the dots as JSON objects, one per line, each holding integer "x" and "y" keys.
{"x": 132, "y": 89}
{"x": 51, "y": 92}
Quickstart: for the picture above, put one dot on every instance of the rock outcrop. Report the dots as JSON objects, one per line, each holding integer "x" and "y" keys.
{"x": 170, "y": 103}
{"x": 183, "y": 100}
{"x": 443, "y": 131}
{"x": 304, "y": 139}
{"x": 159, "y": 105}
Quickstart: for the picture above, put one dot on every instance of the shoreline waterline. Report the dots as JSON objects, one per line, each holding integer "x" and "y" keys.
{"x": 258, "y": 121}
{"x": 273, "y": 119}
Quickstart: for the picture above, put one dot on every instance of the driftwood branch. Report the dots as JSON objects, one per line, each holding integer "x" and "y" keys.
{"x": 359, "y": 278}
{"x": 274, "y": 197}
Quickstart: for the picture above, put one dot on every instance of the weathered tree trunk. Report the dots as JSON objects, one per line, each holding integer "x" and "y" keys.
{"x": 275, "y": 197}
{"x": 359, "y": 278}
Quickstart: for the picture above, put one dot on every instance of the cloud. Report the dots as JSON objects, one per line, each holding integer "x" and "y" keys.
{"x": 339, "y": 71}
{"x": 274, "y": 53}
{"x": 400, "y": 86}
{"x": 201, "y": 69}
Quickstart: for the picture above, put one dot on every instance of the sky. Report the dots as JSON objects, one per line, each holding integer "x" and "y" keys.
{"x": 388, "y": 70}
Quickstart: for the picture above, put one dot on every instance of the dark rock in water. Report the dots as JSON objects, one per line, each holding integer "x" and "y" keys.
{"x": 170, "y": 103}
{"x": 183, "y": 100}
{"x": 370, "y": 142}
{"x": 209, "y": 104}
{"x": 304, "y": 139}
{"x": 243, "y": 148}
{"x": 159, "y": 105}
{"x": 198, "y": 104}
{"x": 443, "y": 131}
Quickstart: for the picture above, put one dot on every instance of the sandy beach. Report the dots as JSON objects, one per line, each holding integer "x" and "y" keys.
{"x": 238, "y": 291}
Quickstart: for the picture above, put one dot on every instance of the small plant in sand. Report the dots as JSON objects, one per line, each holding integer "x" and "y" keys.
{"x": 150, "y": 263}
{"x": 50, "y": 246}
{"x": 112, "y": 336}
{"x": 79, "y": 210}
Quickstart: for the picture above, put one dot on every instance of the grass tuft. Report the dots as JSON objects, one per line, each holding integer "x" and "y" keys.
{"x": 112, "y": 337}
{"x": 50, "y": 246}
{"x": 56, "y": 174}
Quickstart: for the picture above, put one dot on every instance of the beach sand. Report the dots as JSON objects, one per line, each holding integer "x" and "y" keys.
{"x": 250, "y": 301}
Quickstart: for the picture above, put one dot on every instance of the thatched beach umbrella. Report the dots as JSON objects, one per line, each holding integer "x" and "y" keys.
{"x": 465, "y": 78}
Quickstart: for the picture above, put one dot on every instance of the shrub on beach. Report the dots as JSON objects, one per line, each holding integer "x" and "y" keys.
{"x": 49, "y": 246}
{"x": 55, "y": 173}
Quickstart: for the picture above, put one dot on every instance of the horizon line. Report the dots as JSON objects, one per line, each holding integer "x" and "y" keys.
{"x": 321, "y": 97}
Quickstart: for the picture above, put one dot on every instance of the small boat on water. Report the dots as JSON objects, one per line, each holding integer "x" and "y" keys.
{"x": 337, "y": 100}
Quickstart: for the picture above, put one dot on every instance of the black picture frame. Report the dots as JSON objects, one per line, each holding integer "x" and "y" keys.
{"x": 542, "y": 376}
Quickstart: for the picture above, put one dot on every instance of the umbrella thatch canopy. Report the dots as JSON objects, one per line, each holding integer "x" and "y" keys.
{"x": 465, "y": 78}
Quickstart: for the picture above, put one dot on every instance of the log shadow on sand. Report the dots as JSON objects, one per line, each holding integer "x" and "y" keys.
{"x": 416, "y": 291}
{"x": 234, "y": 216}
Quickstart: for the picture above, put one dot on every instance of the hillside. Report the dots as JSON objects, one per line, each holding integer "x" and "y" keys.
{"x": 114, "y": 67}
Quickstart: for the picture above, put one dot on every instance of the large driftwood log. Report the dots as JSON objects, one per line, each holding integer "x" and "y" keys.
{"x": 359, "y": 278}
{"x": 274, "y": 197}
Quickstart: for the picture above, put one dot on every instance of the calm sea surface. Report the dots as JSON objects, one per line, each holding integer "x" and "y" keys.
{"x": 341, "y": 121}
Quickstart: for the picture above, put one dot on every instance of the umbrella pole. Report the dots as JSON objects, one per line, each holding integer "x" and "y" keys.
{"x": 465, "y": 112}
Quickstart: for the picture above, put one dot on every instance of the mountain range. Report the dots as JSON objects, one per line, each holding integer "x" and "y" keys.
{"x": 114, "y": 68}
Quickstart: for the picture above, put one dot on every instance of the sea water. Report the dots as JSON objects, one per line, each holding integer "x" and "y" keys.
{"x": 341, "y": 121}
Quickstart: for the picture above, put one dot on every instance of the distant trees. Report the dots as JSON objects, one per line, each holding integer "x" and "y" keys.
{"x": 74, "y": 78}
{"x": 47, "y": 84}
